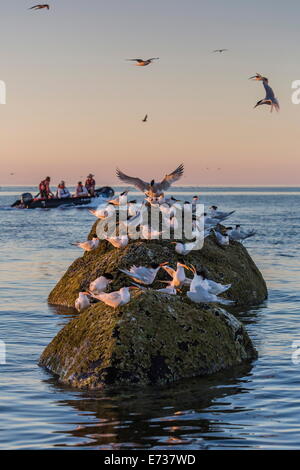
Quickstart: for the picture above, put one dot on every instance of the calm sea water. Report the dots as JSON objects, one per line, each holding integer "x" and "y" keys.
{"x": 252, "y": 407}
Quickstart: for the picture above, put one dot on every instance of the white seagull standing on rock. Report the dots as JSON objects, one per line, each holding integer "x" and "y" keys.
{"x": 222, "y": 238}
{"x": 101, "y": 283}
{"x": 82, "y": 302}
{"x": 88, "y": 245}
{"x": 215, "y": 214}
{"x": 178, "y": 276}
{"x": 118, "y": 242}
{"x": 142, "y": 274}
{"x": 115, "y": 299}
{"x": 201, "y": 295}
{"x": 238, "y": 235}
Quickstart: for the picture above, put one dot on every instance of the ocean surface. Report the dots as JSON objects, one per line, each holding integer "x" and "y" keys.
{"x": 255, "y": 406}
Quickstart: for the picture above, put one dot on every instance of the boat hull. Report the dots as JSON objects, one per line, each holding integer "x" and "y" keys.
{"x": 106, "y": 192}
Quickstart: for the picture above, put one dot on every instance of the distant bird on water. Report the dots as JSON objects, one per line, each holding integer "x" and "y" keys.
{"x": 270, "y": 97}
{"x": 39, "y": 7}
{"x": 145, "y": 118}
{"x": 152, "y": 189}
{"x": 220, "y": 50}
{"x": 142, "y": 62}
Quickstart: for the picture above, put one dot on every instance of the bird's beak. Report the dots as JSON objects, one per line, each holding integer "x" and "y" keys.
{"x": 185, "y": 266}
{"x": 133, "y": 287}
{"x": 166, "y": 262}
{"x": 173, "y": 243}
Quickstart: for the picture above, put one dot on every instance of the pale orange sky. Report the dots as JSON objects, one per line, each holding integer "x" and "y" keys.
{"x": 74, "y": 105}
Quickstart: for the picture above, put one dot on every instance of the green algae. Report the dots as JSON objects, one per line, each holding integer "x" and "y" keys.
{"x": 155, "y": 339}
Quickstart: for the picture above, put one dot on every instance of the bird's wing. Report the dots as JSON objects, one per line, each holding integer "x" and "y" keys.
{"x": 154, "y": 58}
{"x": 269, "y": 92}
{"x": 137, "y": 182}
{"x": 172, "y": 177}
{"x": 136, "y": 60}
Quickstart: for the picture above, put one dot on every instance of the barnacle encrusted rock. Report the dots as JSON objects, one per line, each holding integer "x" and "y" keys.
{"x": 155, "y": 339}
{"x": 228, "y": 265}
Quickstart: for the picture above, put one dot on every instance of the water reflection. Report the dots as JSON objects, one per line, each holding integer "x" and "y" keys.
{"x": 160, "y": 417}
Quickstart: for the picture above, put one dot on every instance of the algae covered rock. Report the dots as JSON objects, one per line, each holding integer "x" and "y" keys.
{"x": 228, "y": 265}
{"x": 155, "y": 339}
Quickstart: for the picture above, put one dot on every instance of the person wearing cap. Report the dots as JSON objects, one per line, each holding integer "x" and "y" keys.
{"x": 44, "y": 189}
{"x": 90, "y": 184}
{"x": 81, "y": 191}
{"x": 62, "y": 191}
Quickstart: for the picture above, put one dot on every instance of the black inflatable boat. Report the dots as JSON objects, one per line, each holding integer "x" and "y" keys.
{"x": 27, "y": 201}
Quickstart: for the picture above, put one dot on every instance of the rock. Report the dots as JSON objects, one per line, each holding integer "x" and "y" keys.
{"x": 155, "y": 339}
{"x": 228, "y": 265}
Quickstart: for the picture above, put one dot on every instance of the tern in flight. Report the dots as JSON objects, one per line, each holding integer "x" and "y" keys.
{"x": 220, "y": 50}
{"x": 40, "y": 7}
{"x": 145, "y": 118}
{"x": 153, "y": 189}
{"x": 142, "y": 62}
{"x": 270, "y": 97}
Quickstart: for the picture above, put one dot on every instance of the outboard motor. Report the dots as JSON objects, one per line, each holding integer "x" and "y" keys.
{"x": 26, "y": 198}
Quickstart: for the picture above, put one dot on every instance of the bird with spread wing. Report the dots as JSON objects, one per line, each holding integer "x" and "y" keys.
{"x": 270, "y": 98}
{"x": 142, "y": 62}
{"x": 152, "y": 189}
{"x": 39, "y": 7}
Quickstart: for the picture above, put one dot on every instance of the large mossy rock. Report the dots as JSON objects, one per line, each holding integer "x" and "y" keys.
{"x": 155, "y": 339}
{"x": 228, "y": 265}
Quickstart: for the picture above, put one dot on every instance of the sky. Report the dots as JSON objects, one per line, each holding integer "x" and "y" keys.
{"x": 75, "y": 105}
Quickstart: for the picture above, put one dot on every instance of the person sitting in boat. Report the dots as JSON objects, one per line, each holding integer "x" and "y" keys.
{"x": 81, "y": 191}
{"x": 44, "y": 189}
{"x": 62, "y": 191}
{"x": 90, "y": 184}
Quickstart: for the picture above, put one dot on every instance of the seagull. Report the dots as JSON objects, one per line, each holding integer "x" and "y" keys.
{"x": 270, "y": 97}
{"x": 143, "y": 275}
{"x": 101, "y": 283}
{"x": 222, "y": 239}
{"x": 149, "y": 233}
{"x": 103, "y": 213}
{"x": 218, "y": 214}
{"x": 115, "y": 299}
{"x": 201, "y": 295}
{"x": 89, "y": 245}
{"x": 39, "y": 7}
{"x": 185, "y": 248}
{"x": 210, "y": 221}
{"x": 220, "y": 50}
{"x": 145, "y": 118}
{"x": 142, "y": 62}
{"x": 82, "y": 302}
{"x": 118, "y": 242}
{"x": 178, "y": 276}
{"x": 119, "y": 200}
{"x": 212, "y": 287}
{"x": 238, "y": 235}
{"x": 153, "y": 189}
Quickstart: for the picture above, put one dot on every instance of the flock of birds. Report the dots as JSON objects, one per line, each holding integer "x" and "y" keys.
{"x": 269, "y": 99}
{"x": 200, "y": 288}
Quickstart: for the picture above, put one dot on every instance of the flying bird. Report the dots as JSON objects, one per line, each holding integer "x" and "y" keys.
{"x": 153, "y": 189}
{"x": 145, "y": 118}
{"x": 40, "y": 6}
{"x": 270, "y": 98}
{"x": 142, "y": 62}
{"x": 220, "y": 50}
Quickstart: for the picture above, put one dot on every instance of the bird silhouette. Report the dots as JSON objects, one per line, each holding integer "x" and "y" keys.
{"x": 142, "y": 62}
{"x": 145, "y": 118}
{"x": 40, "y": 6}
